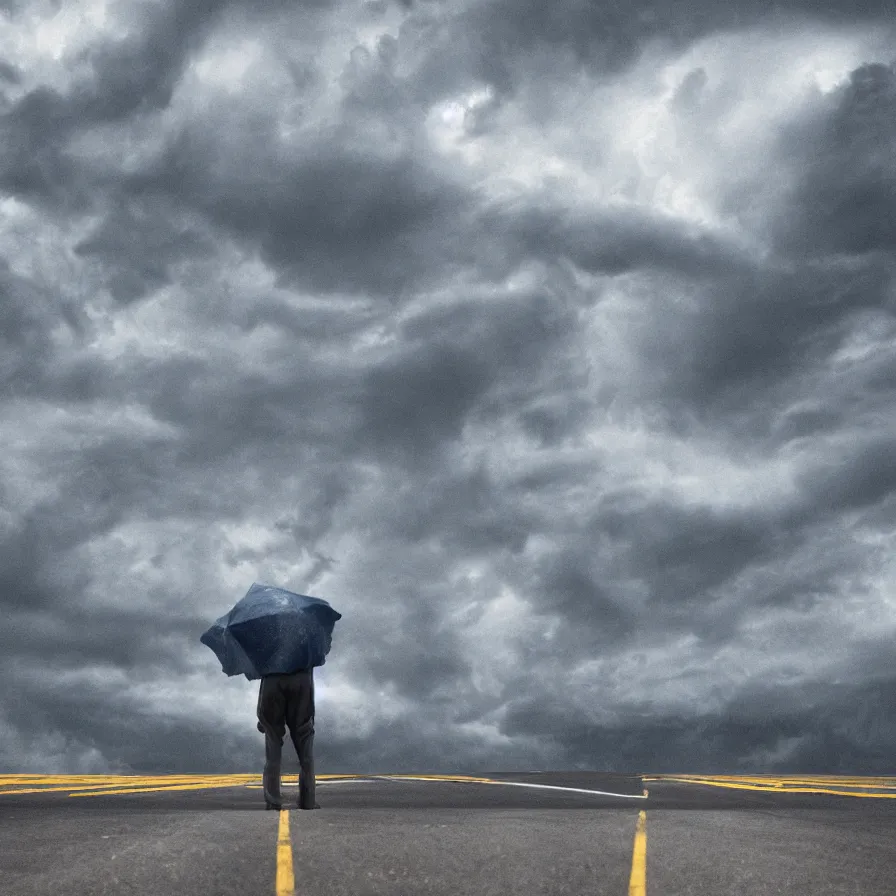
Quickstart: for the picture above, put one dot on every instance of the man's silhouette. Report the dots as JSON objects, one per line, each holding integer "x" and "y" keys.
{"x": 287, "y": 701}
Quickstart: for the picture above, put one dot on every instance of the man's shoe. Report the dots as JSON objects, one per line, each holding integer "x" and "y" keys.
{"x": 268, "y": 805}
{"x": 315, "y": 806}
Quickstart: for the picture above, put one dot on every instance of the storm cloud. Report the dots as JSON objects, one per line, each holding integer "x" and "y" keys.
{"x": 553, "y": 345}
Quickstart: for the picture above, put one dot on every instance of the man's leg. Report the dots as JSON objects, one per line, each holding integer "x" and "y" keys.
{"x": 271, "y": 712}
{"x": 273, "y": 750}
{"x": 303, "y": 739}
{"x": 300, "y": 719}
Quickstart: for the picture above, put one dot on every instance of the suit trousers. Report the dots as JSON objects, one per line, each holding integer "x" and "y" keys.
{"x": 287, "y": 701}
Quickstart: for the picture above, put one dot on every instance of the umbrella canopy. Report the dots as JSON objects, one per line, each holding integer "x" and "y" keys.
{"x": 272, "y": 630}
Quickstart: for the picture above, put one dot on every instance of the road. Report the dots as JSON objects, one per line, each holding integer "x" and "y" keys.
{"x": 489, "y": 835}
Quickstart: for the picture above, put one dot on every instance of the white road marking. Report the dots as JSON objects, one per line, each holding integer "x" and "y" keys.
{"x": 627, "y": 796}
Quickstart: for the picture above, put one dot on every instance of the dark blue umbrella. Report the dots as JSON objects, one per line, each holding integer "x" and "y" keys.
{"x": 272, "y": 630}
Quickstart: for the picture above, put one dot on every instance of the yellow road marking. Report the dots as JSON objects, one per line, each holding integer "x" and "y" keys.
{"x": 211, "y": 785}
{"x": 788, "y": 785}
{"x": 286, "y": 885}
{"x": 784, "y": 780}
{"x": 96, "y": 785}
{"x": 637, "y": 882}
{"x": 6, "y": 780}
{"x": 100, "y": 789}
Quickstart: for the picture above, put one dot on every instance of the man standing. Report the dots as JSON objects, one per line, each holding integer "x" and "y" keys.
{"x": 287, "y": 701}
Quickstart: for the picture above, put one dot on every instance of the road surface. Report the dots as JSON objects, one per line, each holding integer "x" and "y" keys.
{"x": 491, "y": 834}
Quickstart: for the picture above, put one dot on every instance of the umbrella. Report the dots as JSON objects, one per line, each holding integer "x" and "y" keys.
{"x": 272, "y": 630}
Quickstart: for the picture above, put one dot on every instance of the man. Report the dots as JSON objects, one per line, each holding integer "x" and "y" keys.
{"x": 287, "y": 701}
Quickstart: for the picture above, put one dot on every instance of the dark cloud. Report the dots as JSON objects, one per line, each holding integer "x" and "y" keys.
{"x": 796, "y": 730}
{"x": 614, "y": 242}
{"x": 864, "y": 474}
{"x": 508, "y": 38}
{"x": 420, "y": 397}
{"x": 32, "y": 139}
{"x": 388, "y": 210}
{"x": 133, "y": 76}
{"x": 577, "y": 409}
{"x": 29, "y": 314}
{"x": 571, "y": 586}
{"x": 138, "y": 243}
{"x": 471, "y": 513}
{"x": 685, "y": 552}
{"x": 845, "y": 197}
{"x": 9, "y": 73}
{"x": 743, "y": 336}
{"x": 139, "y": 73}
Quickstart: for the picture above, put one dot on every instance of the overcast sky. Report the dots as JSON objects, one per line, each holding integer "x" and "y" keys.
{"x": 553, "y": 344}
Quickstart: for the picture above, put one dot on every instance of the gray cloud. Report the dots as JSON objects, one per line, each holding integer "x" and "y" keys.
{"x": 138, "y": 243}
{"x": 386, "y": 209}
{"x": 553, "y": 346}
{"x": 9, "y": 73}
{"x": 843, "y": 200}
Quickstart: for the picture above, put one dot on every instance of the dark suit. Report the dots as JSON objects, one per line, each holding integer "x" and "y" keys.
{"x": 287, "y": 701}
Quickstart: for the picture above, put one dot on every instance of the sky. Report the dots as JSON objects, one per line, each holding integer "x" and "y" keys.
{"x": 552, "y": 344}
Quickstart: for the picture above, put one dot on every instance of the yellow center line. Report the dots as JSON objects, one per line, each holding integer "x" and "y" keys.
{"x": 286, "y": 885}
{"x": 637, "y": 882}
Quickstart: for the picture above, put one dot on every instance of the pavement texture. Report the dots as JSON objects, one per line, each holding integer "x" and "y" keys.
{"x": 502, "y": 833}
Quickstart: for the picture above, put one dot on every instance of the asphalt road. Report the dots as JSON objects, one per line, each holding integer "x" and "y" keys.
{"x": 503, "y": 833}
